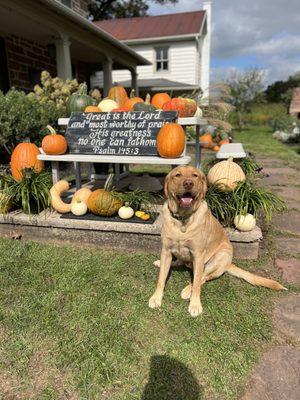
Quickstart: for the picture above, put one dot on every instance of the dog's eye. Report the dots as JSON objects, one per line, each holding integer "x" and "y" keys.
{"x": 195, "y": 175}
{"x": 178, "y": 175}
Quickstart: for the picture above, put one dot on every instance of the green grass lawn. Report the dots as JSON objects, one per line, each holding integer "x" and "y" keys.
{"x": 259, "y": 141}
{"x": 75, "y": 324}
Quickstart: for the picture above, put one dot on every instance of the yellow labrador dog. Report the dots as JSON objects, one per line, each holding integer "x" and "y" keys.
{"x": 195, "y": 238}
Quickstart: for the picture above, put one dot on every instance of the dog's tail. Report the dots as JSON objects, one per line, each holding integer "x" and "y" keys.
{"x": 254, "y": 279}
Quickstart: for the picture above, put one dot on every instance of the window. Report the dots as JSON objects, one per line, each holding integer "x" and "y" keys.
{"x": 162, "y": 58}
{"x": 66, "y": 3}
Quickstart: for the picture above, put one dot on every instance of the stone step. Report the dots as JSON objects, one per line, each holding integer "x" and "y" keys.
{"x": 49, "y": 226}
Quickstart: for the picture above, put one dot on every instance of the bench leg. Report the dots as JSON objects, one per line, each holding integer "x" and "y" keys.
{"x": 77, "y": 168}
{"x": 197, "y": 149}
{"x": 117, "y": 171}
{"x": 55, "y": 171}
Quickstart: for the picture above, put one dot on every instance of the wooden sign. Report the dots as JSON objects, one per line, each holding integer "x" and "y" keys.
{"x": 116, "y": 133}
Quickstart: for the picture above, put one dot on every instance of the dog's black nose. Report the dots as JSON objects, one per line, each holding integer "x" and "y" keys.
{"x": 188, "y": 184}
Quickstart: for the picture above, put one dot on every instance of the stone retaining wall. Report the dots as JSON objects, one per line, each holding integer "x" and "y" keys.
{"x": 114, "y": 235}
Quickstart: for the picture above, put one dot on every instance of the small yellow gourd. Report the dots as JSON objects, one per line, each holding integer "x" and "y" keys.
{"x": 226, "y": 174}
{"x": 245, "y": 223}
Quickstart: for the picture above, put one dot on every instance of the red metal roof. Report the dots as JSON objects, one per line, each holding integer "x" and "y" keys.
{"x": 153, "y": 26}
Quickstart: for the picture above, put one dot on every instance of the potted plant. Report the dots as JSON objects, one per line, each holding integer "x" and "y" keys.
{"x": 32, "y": 192}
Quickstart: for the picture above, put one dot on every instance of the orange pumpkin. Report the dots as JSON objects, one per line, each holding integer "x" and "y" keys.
{"x": 54, "y": 143}
{"x": 128, "y": 105}
{"x": 94, "y": 109}
{"x": 118, "y": 94}
{"x": 206, "y": 140}
{"x": 159, "y": 99}
{"x": 216, "y": 148}
{"x": 171, "y": 140}
{"x": 184, "y": 107}
{"x": 223, "y": 141}
{"x": 120, "y": 109}
{"x": 25, "y": 156}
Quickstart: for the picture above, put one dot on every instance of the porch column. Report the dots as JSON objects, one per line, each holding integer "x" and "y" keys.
{"x": 63, "y": 58}
{"x": 134, "y": 81}
{"x": 107, "y": 75}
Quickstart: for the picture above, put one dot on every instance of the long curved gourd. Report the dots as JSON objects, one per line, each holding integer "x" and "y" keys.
{"x": 62, "y": 186}
{"x": 55, "y": 194}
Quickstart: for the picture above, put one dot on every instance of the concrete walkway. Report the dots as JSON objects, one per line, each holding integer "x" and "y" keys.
{"x": 276, "y": 376}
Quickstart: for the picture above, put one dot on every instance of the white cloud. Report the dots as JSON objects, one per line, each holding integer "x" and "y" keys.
{"x": 264, "y": 30}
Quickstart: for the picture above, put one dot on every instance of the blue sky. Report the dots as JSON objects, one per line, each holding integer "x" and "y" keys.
{"x": 260, "y": 33}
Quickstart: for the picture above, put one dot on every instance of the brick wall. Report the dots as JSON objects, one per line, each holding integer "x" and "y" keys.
{"x": 80, "y": 6}
{"x": 25, "y": 60}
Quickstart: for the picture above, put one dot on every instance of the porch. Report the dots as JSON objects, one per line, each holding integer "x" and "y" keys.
{"x": 62, "y": 39}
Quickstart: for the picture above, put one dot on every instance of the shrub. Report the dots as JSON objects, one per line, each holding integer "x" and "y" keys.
{"x": 282, "y": 122}
{"x": 259, "y": 114}
{"x": 23, "y": 116}
{"x": 55, "y": 91}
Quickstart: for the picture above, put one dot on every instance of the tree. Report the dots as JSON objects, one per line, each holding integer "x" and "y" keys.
{"x": 246, "y": 88}
{"x": 275, "y": 92}
{"x": 107, "y": 9}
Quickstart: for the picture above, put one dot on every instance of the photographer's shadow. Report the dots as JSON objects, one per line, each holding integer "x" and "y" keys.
{"x": 170, "y": 379}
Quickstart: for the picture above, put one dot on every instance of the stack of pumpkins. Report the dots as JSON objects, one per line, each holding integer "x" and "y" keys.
{"x": 214, "y": 141}
{"x": 171, "y": 138}
{"x": 118, "y": 100}
{"x": 226, "y": 175}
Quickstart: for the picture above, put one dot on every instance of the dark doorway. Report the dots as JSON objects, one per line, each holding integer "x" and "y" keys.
{"x": 4, "y": 78}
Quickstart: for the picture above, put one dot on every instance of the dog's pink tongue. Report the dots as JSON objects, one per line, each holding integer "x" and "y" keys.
{"x": 186, "y": 201}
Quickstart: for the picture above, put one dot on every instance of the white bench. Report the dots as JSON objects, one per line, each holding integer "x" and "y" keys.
{"x": 76, "y": 159}
{"x": 234, "y": 150}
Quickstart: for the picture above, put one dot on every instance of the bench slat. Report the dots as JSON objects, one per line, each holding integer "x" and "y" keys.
{"x": 90, "y": 158}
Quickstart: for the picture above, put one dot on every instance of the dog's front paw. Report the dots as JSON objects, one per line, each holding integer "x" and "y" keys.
{"x": 195, "y": 309}
{"x": 155, "y": 301}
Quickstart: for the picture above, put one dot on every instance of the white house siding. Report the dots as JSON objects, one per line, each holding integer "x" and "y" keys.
{"x": 184, "y": 65}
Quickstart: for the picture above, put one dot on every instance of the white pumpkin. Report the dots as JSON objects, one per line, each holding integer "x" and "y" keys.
{"x": 226, "y": 174}
{"x": 107, "y": 105}
{"x": 198, "y": 113}
{"x": 79, "y": 208}
{"x": 245, "y": 223}
{"x": 126, "y": 212}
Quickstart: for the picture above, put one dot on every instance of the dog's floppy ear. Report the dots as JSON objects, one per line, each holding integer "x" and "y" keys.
{"x": 171, "y": 202}
{"x": 203, "y": 184}
{"x": 166, "y": 189}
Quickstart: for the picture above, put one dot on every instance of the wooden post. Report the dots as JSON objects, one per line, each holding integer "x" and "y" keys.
{"x": 107, "y": 76}
{"x": 63, "y": 58}
{"x": 55, "y": 171}
{"x": 134, "y": 81}
{"x": 77, "y": 168}
{"x": 197, "y": 148}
